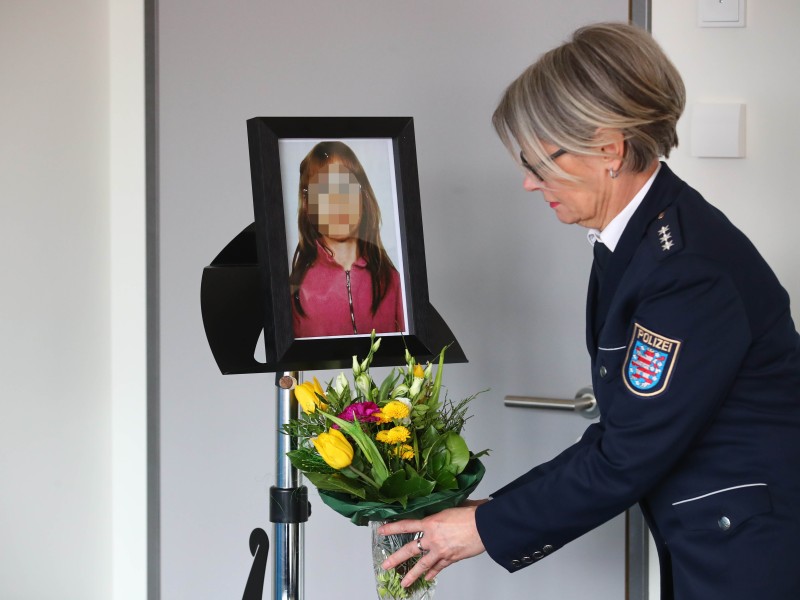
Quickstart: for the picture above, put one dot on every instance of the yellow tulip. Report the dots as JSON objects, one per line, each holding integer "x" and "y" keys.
{"x": 419, "y": 371}
{"x": 334, "y": 449}
{"x": 320, "y": 392}
{"x": 306, "y": 394}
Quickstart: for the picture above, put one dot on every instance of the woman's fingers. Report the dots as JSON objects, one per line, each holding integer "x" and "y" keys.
{"x": 445, "y": 538}
{"x": 407, "y": 526}
{"x": 436, "y": 569}
{"x": 405, "y": 553}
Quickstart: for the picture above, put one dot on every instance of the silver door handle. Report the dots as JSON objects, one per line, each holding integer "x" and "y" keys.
{"x": 584, "y": 403}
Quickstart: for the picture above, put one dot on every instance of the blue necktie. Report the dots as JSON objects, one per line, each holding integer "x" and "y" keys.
{"x": 601, "y": 256}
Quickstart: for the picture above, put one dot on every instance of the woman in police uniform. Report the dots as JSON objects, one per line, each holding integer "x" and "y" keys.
{"x": 695, "y": 358}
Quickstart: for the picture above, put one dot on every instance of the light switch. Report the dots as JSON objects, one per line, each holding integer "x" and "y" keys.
{"x": 718, "y": 130}
{"x": 720, "y": 13}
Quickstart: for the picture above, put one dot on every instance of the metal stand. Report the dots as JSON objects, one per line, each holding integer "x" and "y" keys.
{"x": 288, "y": 503}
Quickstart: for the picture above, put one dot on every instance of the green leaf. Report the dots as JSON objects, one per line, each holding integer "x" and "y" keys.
{"x": 437, "y": 383}
{"x": 438, "y": 460}
{"x": 445, "y": 480}
{"x": 361, "y": 512}
{"x": 387, "y": 386}
{"x": 435, "y": 454}
{"x": 419, "y": 410}
{"x": 308, "y": 461}
{"x": 405, "y": 483}
{"x": 336, "y": 483}
{"x": 459, "y": 452}
{"x": 358, "y": 463}
{"x": 429, "y": 437}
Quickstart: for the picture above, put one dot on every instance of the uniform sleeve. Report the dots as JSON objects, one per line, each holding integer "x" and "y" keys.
{"x": 646, "y": 427}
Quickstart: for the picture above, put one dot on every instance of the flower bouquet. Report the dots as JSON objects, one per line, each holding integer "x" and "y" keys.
{"x": 385, "y": 452}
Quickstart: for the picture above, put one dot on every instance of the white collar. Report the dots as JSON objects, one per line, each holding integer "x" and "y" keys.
{"x": 613, "y": 231}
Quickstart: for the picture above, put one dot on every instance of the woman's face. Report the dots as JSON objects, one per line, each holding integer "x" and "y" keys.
{"x": 585, "y": 202}
{"x": 334, "y": 202}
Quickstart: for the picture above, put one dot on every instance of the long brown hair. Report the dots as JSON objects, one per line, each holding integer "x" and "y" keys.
{"x": 370, "y": 247}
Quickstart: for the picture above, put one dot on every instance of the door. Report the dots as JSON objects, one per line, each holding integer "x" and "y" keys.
{"x": 506, "y": 276}
{"x": 519, "y": 313}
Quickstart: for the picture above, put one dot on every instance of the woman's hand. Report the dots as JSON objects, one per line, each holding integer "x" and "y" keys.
{"x": 447, "y": 537}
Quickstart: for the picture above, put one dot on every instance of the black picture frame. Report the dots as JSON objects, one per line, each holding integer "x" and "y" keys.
{"x": 426, "y": 331}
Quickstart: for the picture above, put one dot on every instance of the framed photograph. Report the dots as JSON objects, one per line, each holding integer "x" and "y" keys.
{"x": 339, "y": 242}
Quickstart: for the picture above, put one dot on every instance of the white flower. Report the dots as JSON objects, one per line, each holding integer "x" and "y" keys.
{"x": 416, "y": 386}
{"x": 364, "y": 385}
{"x": 340, "y": 384}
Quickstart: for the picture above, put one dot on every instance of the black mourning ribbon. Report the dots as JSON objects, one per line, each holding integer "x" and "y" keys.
{"x": 601, "y": 257}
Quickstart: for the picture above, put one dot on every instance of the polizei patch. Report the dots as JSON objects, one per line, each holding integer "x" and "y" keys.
{"x": 650, "y": 362}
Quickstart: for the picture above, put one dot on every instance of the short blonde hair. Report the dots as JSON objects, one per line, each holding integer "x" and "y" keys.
{"x": 608, "y": 76}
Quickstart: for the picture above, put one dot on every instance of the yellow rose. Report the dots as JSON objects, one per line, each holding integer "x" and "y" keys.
{"x": 395, "y": 435}
{"x": 306, "y": 394}
{"x": 334, "y": 448}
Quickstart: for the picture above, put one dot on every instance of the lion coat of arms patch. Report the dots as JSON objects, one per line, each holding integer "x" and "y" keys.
{"x": 650, "y": 362}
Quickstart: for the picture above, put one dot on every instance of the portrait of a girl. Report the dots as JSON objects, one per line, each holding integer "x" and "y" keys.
{"x": 342, "y": 280}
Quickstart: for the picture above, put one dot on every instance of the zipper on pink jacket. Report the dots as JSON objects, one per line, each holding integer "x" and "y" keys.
{"x": 350, "y": 299}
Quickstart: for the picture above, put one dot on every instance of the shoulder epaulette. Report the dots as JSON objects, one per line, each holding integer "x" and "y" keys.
{"x": 665, "y": 233}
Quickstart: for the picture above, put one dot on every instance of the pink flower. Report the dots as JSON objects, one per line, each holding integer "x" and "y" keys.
{"x": 364, "y": 412}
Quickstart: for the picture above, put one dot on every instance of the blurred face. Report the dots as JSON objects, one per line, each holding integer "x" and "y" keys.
{"x": 334, "y": 202}
{"x": 584, "y": 202}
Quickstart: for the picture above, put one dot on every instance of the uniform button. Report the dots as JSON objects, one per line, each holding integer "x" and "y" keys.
{"x": 538, "y": 554}
{"x": 527, "y": 560}
{"x": 603, "y": 371}
{"x": 515, "y": 563}
{"x": 724, "y": 523}
{"x": 548, "y": 549}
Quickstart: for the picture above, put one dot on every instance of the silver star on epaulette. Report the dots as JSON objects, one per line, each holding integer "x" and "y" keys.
{"x": 665, "y": 237}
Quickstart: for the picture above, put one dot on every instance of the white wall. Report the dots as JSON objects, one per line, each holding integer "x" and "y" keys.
{"x": 55, "y": 504}
{"x": 754, "y": 65}
{"x": 72, "y": 436}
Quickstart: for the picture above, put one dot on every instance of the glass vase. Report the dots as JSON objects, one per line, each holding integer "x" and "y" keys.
{"x": 387, "y": 583}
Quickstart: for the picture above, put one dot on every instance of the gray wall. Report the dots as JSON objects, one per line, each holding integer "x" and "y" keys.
{"x": 507, "y": 277}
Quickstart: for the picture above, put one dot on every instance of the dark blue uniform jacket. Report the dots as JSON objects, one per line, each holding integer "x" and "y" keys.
{"x": 696, "y": 369}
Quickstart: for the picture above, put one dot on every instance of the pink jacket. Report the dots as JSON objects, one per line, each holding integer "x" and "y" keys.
{"x": 332, "y": 310}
